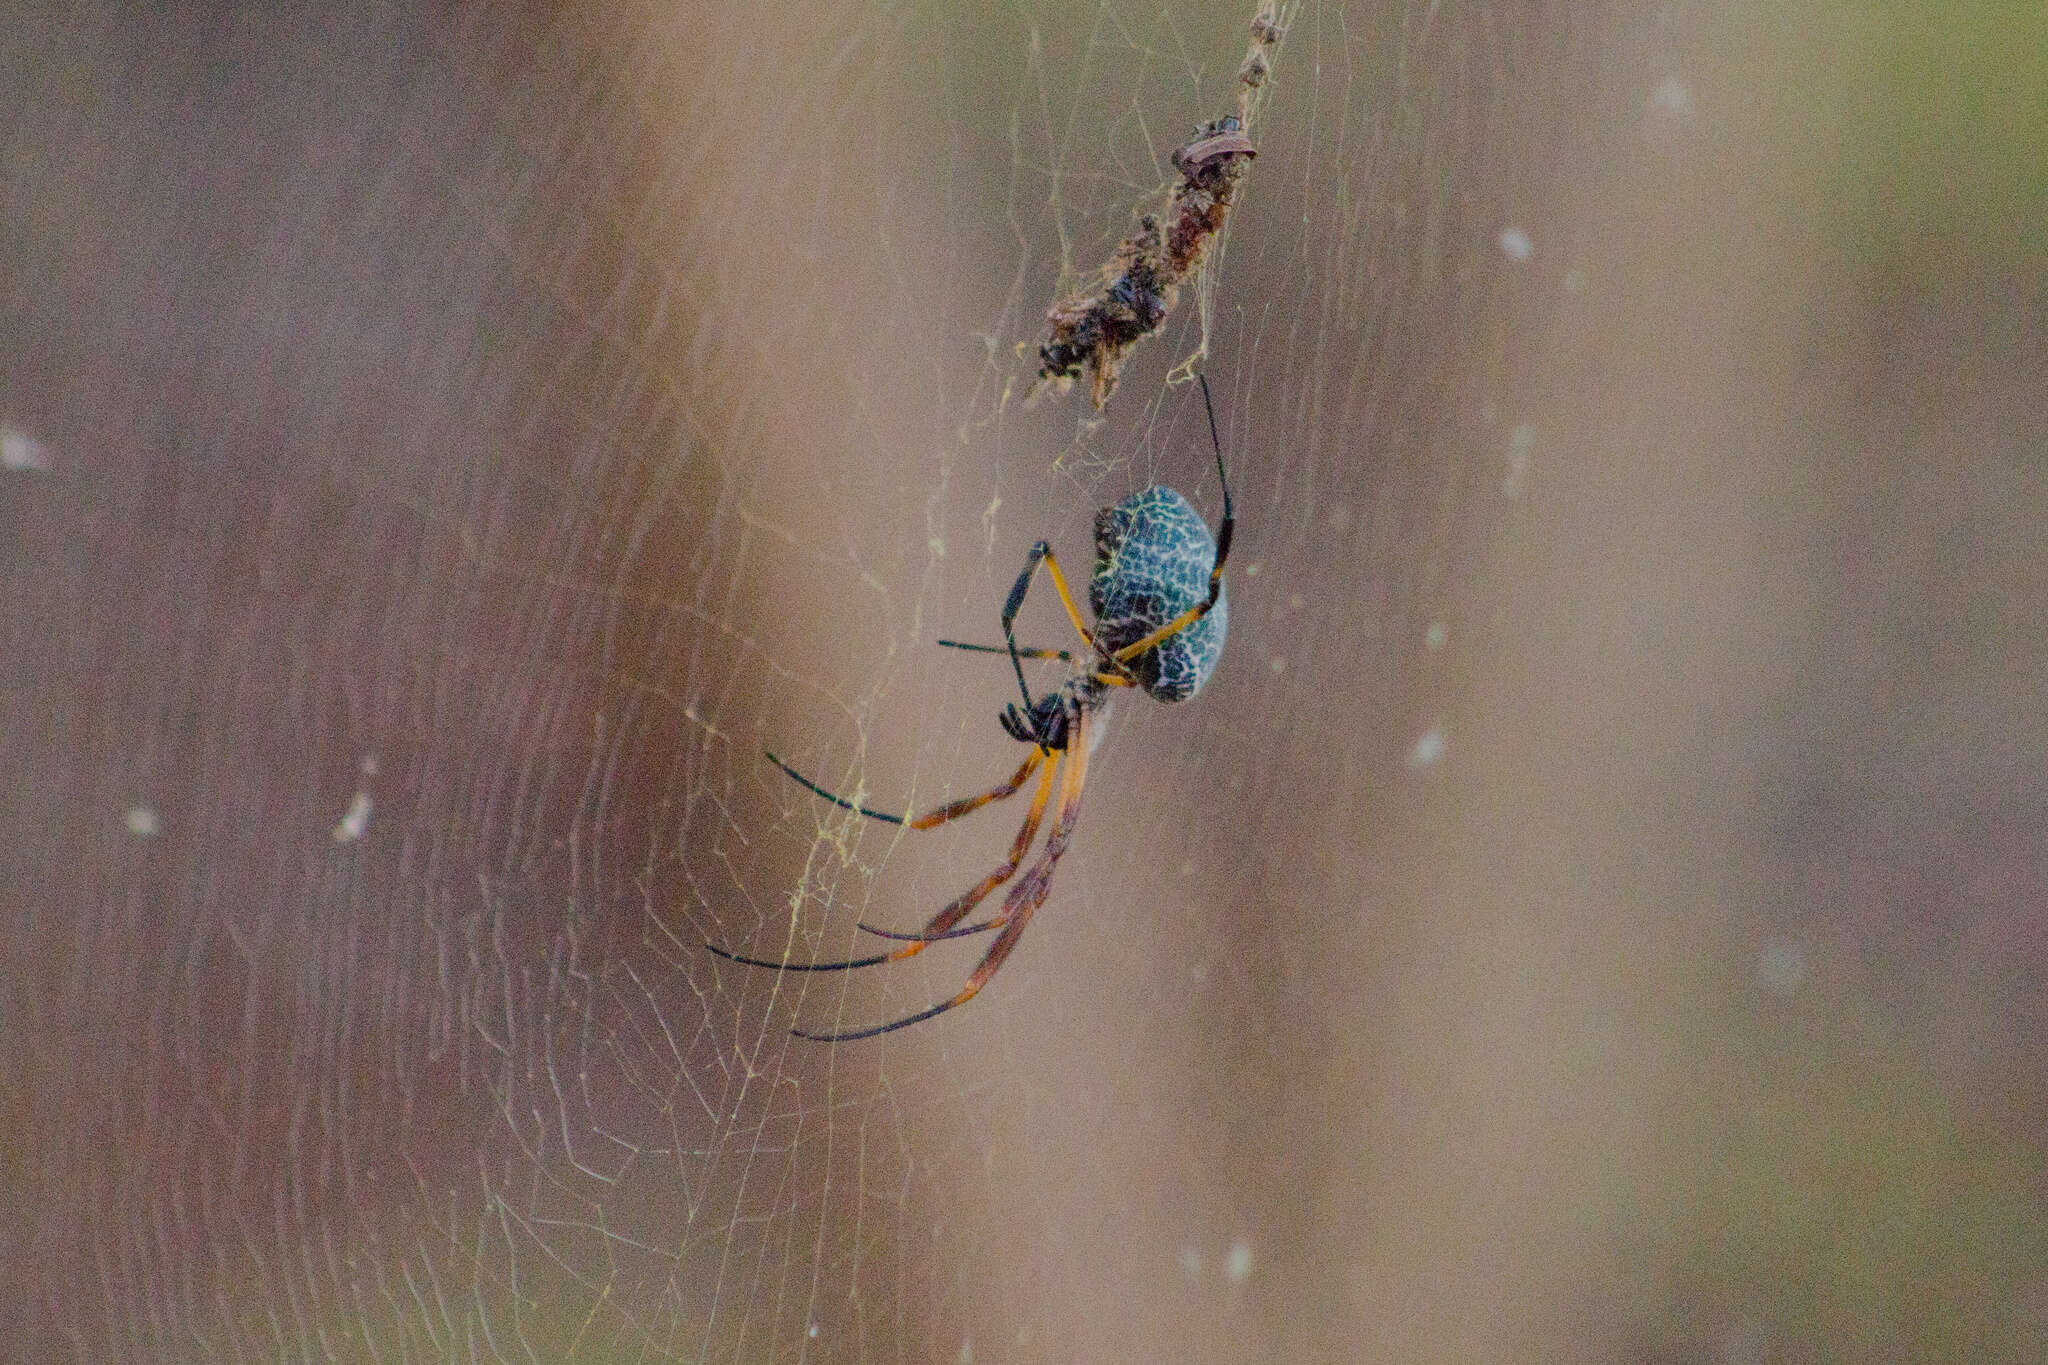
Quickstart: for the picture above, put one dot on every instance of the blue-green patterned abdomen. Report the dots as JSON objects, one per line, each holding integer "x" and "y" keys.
{"x": 1153, "y": 554}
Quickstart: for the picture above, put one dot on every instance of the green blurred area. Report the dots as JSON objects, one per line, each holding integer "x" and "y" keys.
{"x": 1845, "y": 1200}
{"x": 1935, "y": 119}
{"x": 1859, "y": 1192}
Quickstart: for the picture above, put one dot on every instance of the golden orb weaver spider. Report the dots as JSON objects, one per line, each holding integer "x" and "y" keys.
{"x": 1160, "y": 620}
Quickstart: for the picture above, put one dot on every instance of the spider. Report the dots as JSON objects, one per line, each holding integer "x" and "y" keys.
{"x": 1160, "y": 619}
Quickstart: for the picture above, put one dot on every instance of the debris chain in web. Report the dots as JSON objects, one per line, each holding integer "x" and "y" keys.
{"x": 1133, "y": 294}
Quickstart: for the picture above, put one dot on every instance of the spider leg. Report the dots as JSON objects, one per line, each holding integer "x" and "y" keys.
{"x": 1015, "y": 603}
{"x": 1223, "y": 534}
{"x": 1024, "y": 898}
{"x": 845, "y": 966}
{"x": 926, "y": 936}
{"x": 1041, "y": 551}
{"x": 966, "y": 805}
{"x": 954, "y": 912}
{"x": 940, "y": 926}
{"x": 1060, "y": 654}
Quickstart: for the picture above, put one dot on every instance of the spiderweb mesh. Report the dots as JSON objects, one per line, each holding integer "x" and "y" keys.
{"x": 498, "y": 429}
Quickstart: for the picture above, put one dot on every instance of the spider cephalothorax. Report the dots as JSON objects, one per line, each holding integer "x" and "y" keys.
{"x": 1160, "y": 620}
{"x": 1051, "y": 717}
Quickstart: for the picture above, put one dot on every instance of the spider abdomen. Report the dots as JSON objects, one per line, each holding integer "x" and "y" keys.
{"x": 1153, "y": 557}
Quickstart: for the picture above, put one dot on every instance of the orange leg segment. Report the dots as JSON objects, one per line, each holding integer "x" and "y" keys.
{"x": 1024, "y": 898}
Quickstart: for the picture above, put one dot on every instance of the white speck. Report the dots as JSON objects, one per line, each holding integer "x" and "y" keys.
{"x": 1239, "y": 1266}
{"x": 1437, "y": 634}
{"x": 368, "y": 767}
{"x": 19, "y": 450}
{"x": 937, "y": 546}
{"x": 142, "y": 822}
{"x": 1277, "y": 663}
{"x": 1672, "y": 98}
{"x": 966, "y": 1356}
{"x": 1515, "y": 244}
{"x": 1295, "y": 601}
{"x": 1251, "y": 571}
{"x": 1428, "y": 749}
{"x": 813, "y": 1333}
{"x": 1521, "y": 441}
{"x": 1781, "y": 966}
{"x": 1191, "y": 1263}
{"x": 355, "y": 821}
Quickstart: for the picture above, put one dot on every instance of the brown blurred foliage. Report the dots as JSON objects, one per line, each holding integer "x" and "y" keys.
{"x": 513, "y": 417}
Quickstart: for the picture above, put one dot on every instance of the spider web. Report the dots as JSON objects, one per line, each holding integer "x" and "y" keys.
{"x": 455, "y": 448}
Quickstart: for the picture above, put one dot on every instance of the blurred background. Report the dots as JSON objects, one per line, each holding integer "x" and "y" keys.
{"x": 1594, "y": 913}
